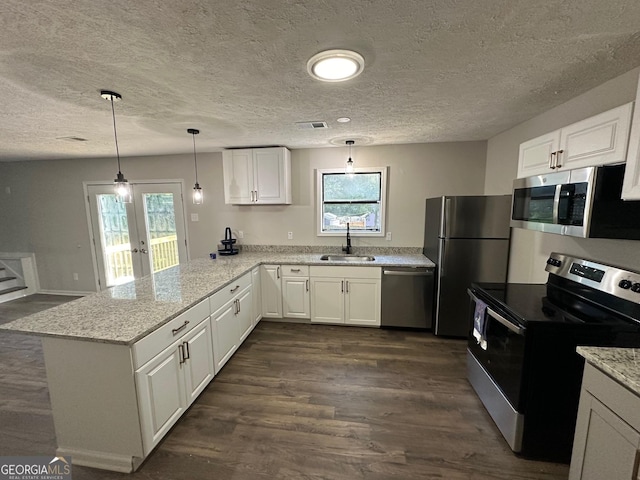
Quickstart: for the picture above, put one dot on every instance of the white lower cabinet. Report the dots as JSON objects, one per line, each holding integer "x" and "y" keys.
{"x": 232, "y": 322}
{"x": 347, "y": 295}
{"x": 271, "y": 284}
{"x": 168, "y": 383}
{"x": 256, "y": 295}
{"x": 295, "y": 291}
{"x": 607, "y": 437}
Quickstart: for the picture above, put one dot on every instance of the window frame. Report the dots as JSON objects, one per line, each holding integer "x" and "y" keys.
{"x": 320, "y": 202}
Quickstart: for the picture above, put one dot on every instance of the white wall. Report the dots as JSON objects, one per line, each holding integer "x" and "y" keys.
{"x": 530, "y": 249}
{"x": 45, "y": 212}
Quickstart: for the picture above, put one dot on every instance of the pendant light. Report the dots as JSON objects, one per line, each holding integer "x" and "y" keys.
{"x": 120, "y": 184}
{"x": 349, "y": 168}
{"x": 197, "y": 191}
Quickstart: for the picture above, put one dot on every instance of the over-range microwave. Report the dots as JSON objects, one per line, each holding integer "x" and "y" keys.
{"x": 583, "y": 202}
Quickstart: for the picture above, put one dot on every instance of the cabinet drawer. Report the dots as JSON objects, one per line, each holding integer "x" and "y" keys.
{"x": 229, "y": 291}
{"x": 295, "y": 270}
{"x": 148, "y": 347}
{"x": 338, "y": 271}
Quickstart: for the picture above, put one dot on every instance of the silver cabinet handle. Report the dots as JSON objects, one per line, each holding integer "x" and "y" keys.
{"x": 500, "y": 319}
{"x": 256, "y": 195}
{"x": 135, "y": 250}
{"x": 180, "y": 328}
{"x": 552, "y": 161}
{"x": 558, "y": 164}
{"x": 278, "y": 272}
{"x": 239, "y": 306}
{"x": 181, "y": 353}
{"x": 307, "y": 284}
{"x": 342, "y": 286}
{"x": 295, "y": 269}
{"x": 234, "y": 289}
{"x": 186, "y": 349}
{"x": 347, "y": 285}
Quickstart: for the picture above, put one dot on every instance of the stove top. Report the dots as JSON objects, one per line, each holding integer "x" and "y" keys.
{"x": 578, "y": 292}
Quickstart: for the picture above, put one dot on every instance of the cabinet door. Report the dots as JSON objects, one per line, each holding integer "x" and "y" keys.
{"x": 256, "y": 295}
{"x": 631, "y": 186}
{"x": 295, "y": 297}
{"x": 605, "y": 446}
{"x": 198, "y": 367}
{"x": 226, "y": 333}
{"x": 535, "y": 154}
{"x": 161, "y": 395}
{"x": 244, "y": 318}
{"x": 237, "y": 166}
{"x": 327, "y": 300}
{"x": 272, "y": 176}
{"x": 597, "y": 140}
{"x": 362, "y": 301}
{"x": 271, "y": 291}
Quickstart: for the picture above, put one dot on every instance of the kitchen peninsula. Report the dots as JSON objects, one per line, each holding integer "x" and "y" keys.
{"x": 124, "y": 364}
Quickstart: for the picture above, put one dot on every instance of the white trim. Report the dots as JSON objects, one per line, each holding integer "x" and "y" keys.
{"x": 69, "y": 293}
{"x": 101, "y": 460}
{"x": 383, "y": 201}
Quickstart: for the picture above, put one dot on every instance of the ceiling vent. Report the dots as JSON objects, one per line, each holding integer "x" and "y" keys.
{"x": 311, "y": 125}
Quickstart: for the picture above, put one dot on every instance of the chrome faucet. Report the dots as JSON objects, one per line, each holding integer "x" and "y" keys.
{"x": 347, "y": 249}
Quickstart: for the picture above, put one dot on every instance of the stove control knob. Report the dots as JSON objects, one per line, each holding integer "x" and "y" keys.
{"x": 635, "y": 287}
{"x": 626, "y": 284}
{"x": 553, "y": 261}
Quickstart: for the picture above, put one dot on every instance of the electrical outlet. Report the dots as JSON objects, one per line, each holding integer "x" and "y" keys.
{"x": 388, "y": 236}
{"x": 195, "y": 217}
{"x": 75, "y": 276}
{"x": 240, "y": 234}
{"x": 290, "y": 235}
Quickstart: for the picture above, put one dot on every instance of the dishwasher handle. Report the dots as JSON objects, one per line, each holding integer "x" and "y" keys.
{"x": 405, "y": 273}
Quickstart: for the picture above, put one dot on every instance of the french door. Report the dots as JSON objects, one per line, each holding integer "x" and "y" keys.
{"x": 138, "y": 238}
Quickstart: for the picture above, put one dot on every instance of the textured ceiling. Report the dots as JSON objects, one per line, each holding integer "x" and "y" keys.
{"x": 437, "y": 70}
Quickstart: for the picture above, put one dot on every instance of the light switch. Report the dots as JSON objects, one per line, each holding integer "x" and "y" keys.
{"x": 388, "y": 236}
{"x": 194, "y": 217}
{"x": 290, "y": 235}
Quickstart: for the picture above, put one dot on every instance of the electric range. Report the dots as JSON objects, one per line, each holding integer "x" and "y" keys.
{"x": 521, "y": 354}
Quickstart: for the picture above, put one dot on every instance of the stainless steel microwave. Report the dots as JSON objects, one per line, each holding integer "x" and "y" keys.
{"x": 583, "y": 202}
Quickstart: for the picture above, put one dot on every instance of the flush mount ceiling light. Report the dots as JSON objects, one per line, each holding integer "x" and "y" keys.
{"x": 198, "y": 198}
{"x": 349, "y": 168}
{"x": 120, "y": 184}
{"x": 343, "y": 120}
{"x": 335, "y": 65}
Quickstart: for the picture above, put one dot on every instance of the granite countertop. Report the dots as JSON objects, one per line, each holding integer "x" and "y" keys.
{"x": 126, "y": 313}
{"x": 622, "y": 364}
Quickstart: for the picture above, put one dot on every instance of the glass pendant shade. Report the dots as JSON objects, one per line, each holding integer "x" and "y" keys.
{"x": 349, "y": 167}
{"x": 198, "y": 197}
{"x": 122, "y": 189}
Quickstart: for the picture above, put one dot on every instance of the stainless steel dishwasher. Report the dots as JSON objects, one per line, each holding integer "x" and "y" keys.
{"x": 407, "y": 297}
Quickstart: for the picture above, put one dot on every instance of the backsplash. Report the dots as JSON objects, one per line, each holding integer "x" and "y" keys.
{"x": 330, "y": 249}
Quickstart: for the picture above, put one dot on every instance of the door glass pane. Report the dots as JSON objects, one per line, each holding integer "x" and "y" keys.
{"x": 114, "y": 237}
{"x": 160, "y": 221}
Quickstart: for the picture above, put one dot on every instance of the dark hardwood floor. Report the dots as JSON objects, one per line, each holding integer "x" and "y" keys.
{"x": 302, "y": 402}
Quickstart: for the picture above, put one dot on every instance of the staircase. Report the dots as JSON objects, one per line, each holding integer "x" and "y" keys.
{"x": 10, "y": 287}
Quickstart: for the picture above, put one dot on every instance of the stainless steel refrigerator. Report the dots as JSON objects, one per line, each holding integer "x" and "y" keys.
{"x": 467, "y": 237}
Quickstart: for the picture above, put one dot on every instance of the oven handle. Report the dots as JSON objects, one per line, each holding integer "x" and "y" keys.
{"x": 514, "y": 328}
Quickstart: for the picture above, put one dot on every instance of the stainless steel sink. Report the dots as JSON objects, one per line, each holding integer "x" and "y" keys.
{"x": 347, "y": 258}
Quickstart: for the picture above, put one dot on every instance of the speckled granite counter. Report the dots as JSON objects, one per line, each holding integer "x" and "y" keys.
{"x": 622, "y": 364}
{"x": 126, "y": 313}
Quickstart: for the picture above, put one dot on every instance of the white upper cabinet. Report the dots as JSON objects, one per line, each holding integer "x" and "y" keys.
{"x": 631, "y": 186}
{"x": 255, "y": 176}
{"x": 598, "y": 140}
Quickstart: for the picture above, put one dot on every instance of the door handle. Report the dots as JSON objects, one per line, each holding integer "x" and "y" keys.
{"x": 142, "y": 250}
{"x": 278, "y": 272}
{"x": 558, "y": 164}
{"x": 181, "y": 353}
{"x": 307, "y": 284}
{"x": 500, "y": 319}
{"x": 234, "y": 289}
{"x": 186, "y": 349}
{"x": 347, "y": 286}
{"x": 342, "y": 286}
{"x": 182, "y": 327}
{"x": 552, "y": 161}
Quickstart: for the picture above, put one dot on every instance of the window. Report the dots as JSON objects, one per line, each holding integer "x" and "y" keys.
{"x": 356, "y": 198}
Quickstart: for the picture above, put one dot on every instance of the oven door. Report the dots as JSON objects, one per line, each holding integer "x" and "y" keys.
{"x": 497, "y": 372}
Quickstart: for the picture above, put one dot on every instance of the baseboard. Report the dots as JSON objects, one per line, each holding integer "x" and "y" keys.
{"x": 101, "y": 460}
{"x": 72, "y": 293}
